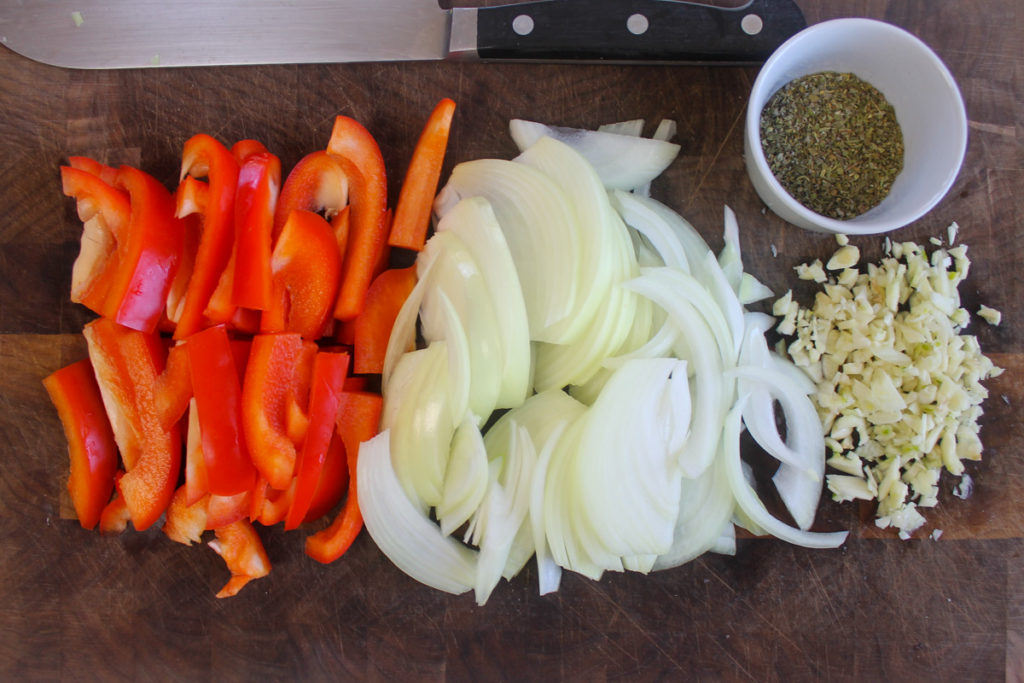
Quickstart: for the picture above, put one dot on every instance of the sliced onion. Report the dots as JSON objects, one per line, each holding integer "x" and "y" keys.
{"x": 456, "y": 275}
{"x": 705, "y": 509}
{"x": 418, "y": 417}
{"x": 402, "y": 532}
{"x": 751, "y": 505}
{"x": 465, "y": 479}
{"x": 403, "y": 332}
{"x": 627, "y": 479}
{"x": 543, "y": 235}
{"x": 622, "y": 161}
{"x": 549, "y": 574}
{"x": 508, "y": 499}
{"x": 473, "y": 220}
{"x": 639, "y": 215}
{"x": 601, "y": 250}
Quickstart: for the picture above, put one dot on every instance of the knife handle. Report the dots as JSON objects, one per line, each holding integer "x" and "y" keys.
{"x": 647, "y": 31}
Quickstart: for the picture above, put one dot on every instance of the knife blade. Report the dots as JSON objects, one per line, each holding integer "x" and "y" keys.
{"x": 109, "y": 34}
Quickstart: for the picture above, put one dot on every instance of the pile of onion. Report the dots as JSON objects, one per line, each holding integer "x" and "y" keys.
{"x": 570, "y": 378}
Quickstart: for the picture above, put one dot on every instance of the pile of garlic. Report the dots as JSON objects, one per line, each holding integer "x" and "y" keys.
{"x": 899, "y": 387}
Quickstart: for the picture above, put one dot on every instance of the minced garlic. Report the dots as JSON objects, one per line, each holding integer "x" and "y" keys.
{"x": 899, "y": 386}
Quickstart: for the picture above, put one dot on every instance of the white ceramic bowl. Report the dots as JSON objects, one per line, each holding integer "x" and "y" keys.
{"x": 928, "y": 107}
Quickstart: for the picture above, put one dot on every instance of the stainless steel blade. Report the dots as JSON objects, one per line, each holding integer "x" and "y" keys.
{"x": 138, "y": 33}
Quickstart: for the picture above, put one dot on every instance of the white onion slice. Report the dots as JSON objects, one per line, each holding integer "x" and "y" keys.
{"x": 465, "y": 479}
{"x": 402, "y": 532}
{"x": 705, "y": 509}
{"x": 473, "y": 220}
{"x": 622, "y": 161}
{"x": 640, "y": 216}
{"x": 751, "y": 505}
{"x": 543, "y": 234}
{"x": 455, "y": 274}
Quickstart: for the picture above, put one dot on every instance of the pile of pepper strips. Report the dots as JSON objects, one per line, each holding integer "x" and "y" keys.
{"x": 241, "y": 324}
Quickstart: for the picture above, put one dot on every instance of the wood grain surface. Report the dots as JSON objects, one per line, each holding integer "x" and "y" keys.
{"x": 78, "y": 606}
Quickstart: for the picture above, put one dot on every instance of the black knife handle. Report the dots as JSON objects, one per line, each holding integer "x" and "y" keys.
{"x": 635, "y": 31}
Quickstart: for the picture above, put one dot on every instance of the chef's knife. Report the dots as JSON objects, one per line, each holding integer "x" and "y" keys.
{"x": 139, "y": 33}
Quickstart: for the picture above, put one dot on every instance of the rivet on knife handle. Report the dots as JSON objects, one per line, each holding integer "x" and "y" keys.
{"x": 647, "y": 31}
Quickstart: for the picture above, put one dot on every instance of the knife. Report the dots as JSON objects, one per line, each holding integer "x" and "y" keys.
{"x": 107, "y": 34}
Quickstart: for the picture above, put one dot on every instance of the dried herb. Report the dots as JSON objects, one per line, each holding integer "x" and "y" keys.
{"x": 833, "y": 142}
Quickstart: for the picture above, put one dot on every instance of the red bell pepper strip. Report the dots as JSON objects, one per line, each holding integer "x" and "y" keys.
{"x": 105, "y": 212}
{"x": 362, "y": 161}
{"x": 196, "y": 483}
{"x": 225, "y": 510}
{"x": 259, "y": 182}
{"x": 276, "y": 379}
{"x": 275, "y": 505}
{"x": 218, "y": 395}
{"x": 243, "y": 149}
{"x": 329, "y": 371}
{"x": 306, "y": 267}
{"x": 319, "y": 182}
{"x": 333, "y": 481}
{"x": 372, "y": 330}
{"x": 91, "y": 446}
{"x": 416, "y": 198}
{"x": 243, "y": 553}
{"x": 174, "y": 387}
{"x": 358, "y": 421}
{"x": 127, "y": 364}
{"x": 115, "y": 517}
{"x": 107, "y": 174}
{"x": 148, "y": 257}
{"x": 185, "y": 522}
{"x": 205, "y": 156}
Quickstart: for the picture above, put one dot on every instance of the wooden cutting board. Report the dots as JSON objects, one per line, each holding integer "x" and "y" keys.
{"x": 74, "y": 605}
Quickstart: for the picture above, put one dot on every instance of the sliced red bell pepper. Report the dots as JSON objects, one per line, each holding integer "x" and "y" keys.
{"x": 243, "y": 553}
{"x": 243, "y": 149}
{"x": 196, "y": 483}
{"x": 115, "y": 517}
{"x": 127, "y": 364}
{"x": 91, "y": 446}
{"x": 358, "y": 421}
{"x": 107, "y": 174}
{"x": 333, "y": 481}
{"x": 276, "y": 379}
{"x": 149, "y": 256}
{"x": 329, "y": 371}
{"x": 205, "y": 156}
{"x": 259, "y": 182}
{"x": 105, "y": 212}
{"x": 225, "y": 510}
{"x": 416, "y": 198}
{"x": 362, "y": 161}
{"x": 185, "y": 522}
{"x": 306, "y": 267}
{"x": 319, "y": 182}
{"x": 218, "y": 395}
{"x": 174, "y": 387}
{"x": 372, "y": 328}
{"x": 275, "y": 505}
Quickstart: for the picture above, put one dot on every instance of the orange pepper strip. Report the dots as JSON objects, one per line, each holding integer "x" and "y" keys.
{"x": 416, "y": 198}
{"x": 372, "y": 330}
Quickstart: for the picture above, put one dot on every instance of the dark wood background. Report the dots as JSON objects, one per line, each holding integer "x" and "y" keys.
{"x": 74, "y": 605}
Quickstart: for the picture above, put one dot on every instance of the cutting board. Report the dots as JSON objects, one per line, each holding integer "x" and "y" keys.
{"x": 75, "y": 605}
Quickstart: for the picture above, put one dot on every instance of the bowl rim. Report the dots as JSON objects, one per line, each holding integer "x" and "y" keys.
{"x": 863, "y": 224}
